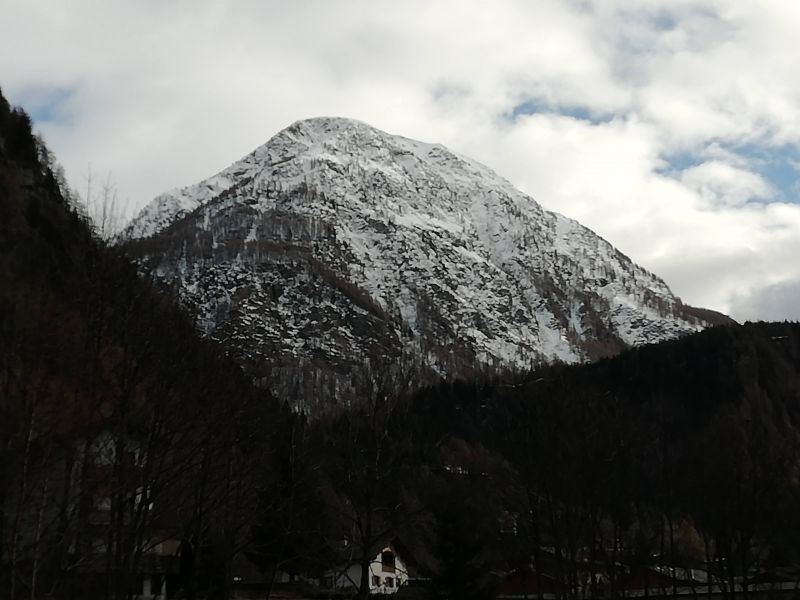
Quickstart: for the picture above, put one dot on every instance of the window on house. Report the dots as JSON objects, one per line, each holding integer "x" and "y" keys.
{"x": 156, "y": 584}
{"x": 136, "y": 585}
{"x": 390, "y": 582}
{"x": 141, "y": 495}
{"x": 104, "y": 450}
{"x": 376, "y": 581}
{"x": 387, "y": 561}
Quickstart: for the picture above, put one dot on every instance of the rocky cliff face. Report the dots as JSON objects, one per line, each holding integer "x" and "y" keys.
{"x": 335, "y": 243}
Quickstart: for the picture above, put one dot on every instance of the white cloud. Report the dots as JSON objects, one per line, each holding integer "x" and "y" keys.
{"x": 777, "y": 302}
{"x": 164, "y": 94}
{"x": 722, "y": 184}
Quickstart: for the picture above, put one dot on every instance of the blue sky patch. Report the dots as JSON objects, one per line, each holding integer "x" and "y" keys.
{"x": 46, "y": 105}
{"x": 675, "y": 163}
{"x": 779, "y": 166}
{"x": 535, "y": 106}
{"x": 664, "y": 22}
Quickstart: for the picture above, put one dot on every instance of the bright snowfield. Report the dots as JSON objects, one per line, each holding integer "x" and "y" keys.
{"x": 335, "y": 241}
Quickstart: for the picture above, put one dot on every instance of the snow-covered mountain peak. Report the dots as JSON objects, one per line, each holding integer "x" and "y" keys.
{"x": 336, "y": 241}
{"x": 335, "y": 136}
{"x": 298, "y": 149}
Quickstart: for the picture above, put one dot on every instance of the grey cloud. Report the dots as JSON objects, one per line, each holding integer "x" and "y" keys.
{"x": 777, "y": 302}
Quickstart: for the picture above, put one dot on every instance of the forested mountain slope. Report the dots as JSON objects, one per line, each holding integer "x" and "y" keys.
{"x": 683, "y": 453}
{"x": 103, "y": 409}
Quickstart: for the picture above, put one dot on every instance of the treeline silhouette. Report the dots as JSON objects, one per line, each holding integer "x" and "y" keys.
{"x": 120, "y": 429}
{"x": 677, "y": 455}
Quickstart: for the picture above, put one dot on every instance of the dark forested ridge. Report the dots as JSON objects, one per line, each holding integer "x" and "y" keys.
{"x": 685, "y": 452}
{"x": 138, "y": 461}
{"x": 120, "y": 430}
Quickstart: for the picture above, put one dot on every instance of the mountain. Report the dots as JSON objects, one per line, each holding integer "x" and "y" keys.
{"x": 335, "y": 242}
{"x": 133, "y": 451}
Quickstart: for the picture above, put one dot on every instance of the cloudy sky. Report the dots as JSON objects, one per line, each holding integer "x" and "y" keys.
{"x": 670, "y": 127}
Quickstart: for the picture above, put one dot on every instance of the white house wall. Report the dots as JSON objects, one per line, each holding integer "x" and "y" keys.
{"x": 352, "y": 577}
